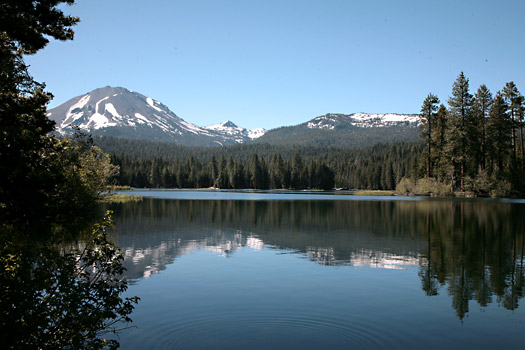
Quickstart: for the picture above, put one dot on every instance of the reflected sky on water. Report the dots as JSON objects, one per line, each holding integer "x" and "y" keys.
{"x": 293, "y": 273}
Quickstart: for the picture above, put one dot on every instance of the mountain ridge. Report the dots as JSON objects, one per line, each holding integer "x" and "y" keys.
{"x": 119, "y": 112}
{"x": 116, "y": 111}
{"x": 347, "y": 130}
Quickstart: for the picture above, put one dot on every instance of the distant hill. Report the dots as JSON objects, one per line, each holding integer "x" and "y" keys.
{"x": 116, "y": 111}
{"x": 347, "y": 130}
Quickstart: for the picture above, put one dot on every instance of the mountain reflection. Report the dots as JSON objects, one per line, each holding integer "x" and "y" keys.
{"x": 472, "y": 249}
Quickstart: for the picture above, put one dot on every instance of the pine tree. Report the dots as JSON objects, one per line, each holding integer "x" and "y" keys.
{"x": 427, "y": 119}
{"x": 230, "y": 169}
{"x": 264, "y": 183}
{"x": 481, "y": 109}
{"x": 514, "y": 103}
{"x": 460, "y": 116}
{"x": 439, "y": 133}
{"x": 256, "y": 174}
{"x": 223, "y": 178}
{"x": 324, "y": 177}
{"x": 155, "y": 174}
{"x": 498, "y": 135}
{"x": 213, "y": 170}
{"x": 298, "y": 172}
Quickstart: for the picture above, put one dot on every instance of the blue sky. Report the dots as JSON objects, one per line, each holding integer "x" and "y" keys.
{"x": 274, "y": 63}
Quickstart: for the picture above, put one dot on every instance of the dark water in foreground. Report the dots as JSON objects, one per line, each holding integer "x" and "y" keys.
{"x": 238, "y": 272}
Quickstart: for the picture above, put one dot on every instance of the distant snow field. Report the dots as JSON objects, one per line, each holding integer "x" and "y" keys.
{"x": 364, "y": 120}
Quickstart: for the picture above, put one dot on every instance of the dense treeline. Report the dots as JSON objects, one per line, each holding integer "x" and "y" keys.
{"x": 345, "y": 136}
{"x": 261, "y": 166}
{"x": 476, "y": 145}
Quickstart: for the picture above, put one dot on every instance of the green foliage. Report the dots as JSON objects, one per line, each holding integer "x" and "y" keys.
{"x": 498, "y": 136}
{"x": 59, "y": 295}
{"x": 422, "y": 187}
{"x": 475, "y": 146}
{"x": 342, "y": 136}
{"x": 431, "y": 187}
{"x": 439, "y": 133}
{"x": 26, "y": 148}
{"x": 458, "y": 136}
{"x": 52, "y": 296}
{"x": 428, "y": 118}
{"x": 62, "y": 180}
{"x": 121, "y": 198}
{"x": 376, "y": 168}
{"x": 373, "y": 193}
{"x": 501, "y": 189}
{"x": 28, "y": 23}
{"x": 42, "y": 178}
{"x": 481, "y": 109}
{"x": 405, "y": 187}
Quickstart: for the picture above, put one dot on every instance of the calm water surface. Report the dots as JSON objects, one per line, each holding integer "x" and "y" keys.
{"x": 269, "y": 270}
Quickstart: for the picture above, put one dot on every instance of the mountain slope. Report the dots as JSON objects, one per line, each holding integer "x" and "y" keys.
{"x": 116, "y": 111}
{"x": 230, "y": 130}
{"x": 347, "y": 130}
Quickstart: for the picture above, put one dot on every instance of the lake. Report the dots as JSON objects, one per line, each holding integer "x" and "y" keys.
{"x": 305, "y": 270}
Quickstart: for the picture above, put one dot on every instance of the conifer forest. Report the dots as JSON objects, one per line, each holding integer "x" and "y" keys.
{"x": 472, "y": 147}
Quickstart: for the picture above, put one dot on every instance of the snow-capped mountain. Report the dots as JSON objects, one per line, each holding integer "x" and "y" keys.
{"x": 240, "y": 135}
{"x": 116, "y": 111}
{"x": 347, "y": 130}
{"x": 332, "y": 121}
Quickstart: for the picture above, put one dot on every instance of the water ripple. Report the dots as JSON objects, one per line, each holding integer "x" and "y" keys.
{"x": 270, "y": 331}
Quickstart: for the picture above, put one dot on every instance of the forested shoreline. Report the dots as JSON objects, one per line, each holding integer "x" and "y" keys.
{"x": 475, "y": 147}
{"x": 261, "y": 166}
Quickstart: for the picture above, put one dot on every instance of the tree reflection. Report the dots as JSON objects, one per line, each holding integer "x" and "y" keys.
{"x": 477, "y": 254}
{"x": 470, "y": 249}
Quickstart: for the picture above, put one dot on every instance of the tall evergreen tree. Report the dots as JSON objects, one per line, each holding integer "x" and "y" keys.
{"x": 460, "y": 116}
{"x": 213, "y": 170}
{"x": 427, "y": 118}
{"x": 230, "y": 169}
{"x": 439, "y": 134}
{"x": 481, "y": 109}
{"x": 498, "y": 135}
{"x": 514, "y": 103}
{"x": 259, "y": 173}
{"x": 298, "y": 172}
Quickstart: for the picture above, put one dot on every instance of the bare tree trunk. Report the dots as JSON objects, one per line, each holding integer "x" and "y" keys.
{"x": 514, "y": 146}
{"x": 521, "y": 137}
{"x": 428, "y": 160}
{"x": 462, "y": 176}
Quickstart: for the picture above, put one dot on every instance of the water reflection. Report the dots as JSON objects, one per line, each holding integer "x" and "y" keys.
{"x": 472, "y": 250}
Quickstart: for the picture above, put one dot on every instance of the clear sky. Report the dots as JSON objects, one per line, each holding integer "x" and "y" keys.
{"x": 266, "y": 63}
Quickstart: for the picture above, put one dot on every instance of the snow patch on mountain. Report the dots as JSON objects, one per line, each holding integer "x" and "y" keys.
{"x": 331, "y": 121}
{"x": 256, "y": 133}
{"x": 111, "y": 109}
{"x": 240, "y": 135}
{"x": 81, "y": 103}
{"x": 151, "y": 103}
{"x": 380, "y": 120}
{"x": 227, "y": 128}
{"x": 75, "y": 111}
{"x": 141, "y": 119}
